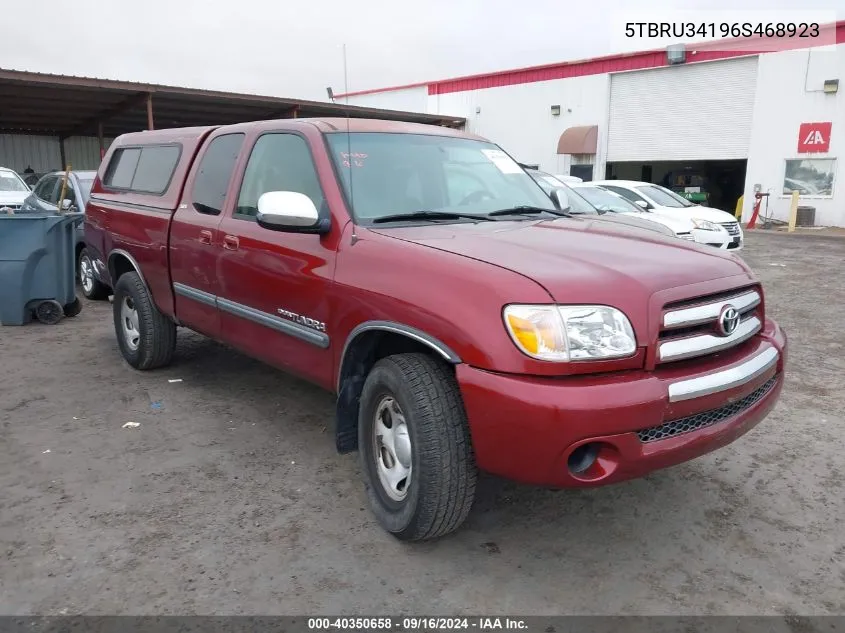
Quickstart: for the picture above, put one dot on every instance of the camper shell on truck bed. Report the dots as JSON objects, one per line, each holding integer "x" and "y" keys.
{"x": 463, "y": 317}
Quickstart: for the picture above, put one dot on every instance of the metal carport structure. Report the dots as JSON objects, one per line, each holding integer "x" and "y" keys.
{"x": 62, "y": 106}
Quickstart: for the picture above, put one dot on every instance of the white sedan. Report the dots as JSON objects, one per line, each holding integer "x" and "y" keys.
{"x": 606, "y": 201}
{"x": 707, "y": 226}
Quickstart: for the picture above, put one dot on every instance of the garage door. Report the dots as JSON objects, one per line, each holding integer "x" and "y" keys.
{"x": 698, "y": 111}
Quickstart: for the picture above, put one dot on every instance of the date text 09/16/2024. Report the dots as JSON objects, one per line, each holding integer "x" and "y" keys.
{"x": 481, "y": 624}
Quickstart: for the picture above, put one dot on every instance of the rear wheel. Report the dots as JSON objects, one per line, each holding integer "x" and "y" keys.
{"x": 91, "y": 286}
{"x": 49, "y": 312}
{"x": 415, "y": 447}
{"x": 146, "y": 337}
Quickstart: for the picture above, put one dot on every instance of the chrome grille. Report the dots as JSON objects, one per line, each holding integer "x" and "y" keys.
{"x": 731, "y": 227}
{"x": 686, "y": 236}
{"x": 13, "y": 207}
{"x": 707, "y": 418}
{"x": 692, "y": 329}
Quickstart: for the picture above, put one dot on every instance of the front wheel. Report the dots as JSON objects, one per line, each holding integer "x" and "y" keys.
{"x": 415, "y": 447}
{"x": 146, "y": 337}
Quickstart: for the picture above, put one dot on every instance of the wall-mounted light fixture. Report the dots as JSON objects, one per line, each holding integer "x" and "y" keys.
{"x": 555, "y": 110}
{"x": 831, "y": 86}
{"x": 676, "y": 54}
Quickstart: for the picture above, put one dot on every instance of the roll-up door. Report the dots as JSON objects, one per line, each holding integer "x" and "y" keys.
{"x": 693, "y": 112}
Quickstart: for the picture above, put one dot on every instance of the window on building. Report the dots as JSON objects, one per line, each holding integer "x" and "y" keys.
{"x": 809, "y": 176}
{"x": 278, "y": 162}
{"x": 215, "y": 173}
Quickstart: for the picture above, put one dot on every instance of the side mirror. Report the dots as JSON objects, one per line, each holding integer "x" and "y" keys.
{"x": 67, "y": 203}
{"x": 642, "y": 203}
{"x": 291, "y": 212}
{"x": 560, "y": 199}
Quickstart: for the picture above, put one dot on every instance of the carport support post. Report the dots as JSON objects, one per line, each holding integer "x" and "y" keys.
{"x": 62, "y": 152}
{"x": 100, "y": 139}
{"x": 150, "y": 111}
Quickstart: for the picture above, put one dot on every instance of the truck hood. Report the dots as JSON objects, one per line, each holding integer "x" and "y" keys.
{"x": 13, "y": 197}
{"x": 582, "y": 260}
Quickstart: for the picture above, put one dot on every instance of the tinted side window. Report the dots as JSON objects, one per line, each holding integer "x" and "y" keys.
{"x": 122, "y": 167}
{"x": 215, "y": 173}
{"x": 68, "y": 191}
{"x": 44, "y": 189}
{"x": 142, "y": 169}
{"x": 625, "y": 193}
{"x": 278, "y": 162}
{"x": 155, "y": 168}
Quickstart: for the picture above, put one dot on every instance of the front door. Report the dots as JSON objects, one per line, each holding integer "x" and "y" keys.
{"x": 274, "y": 286}
{"x": 195, "y": 241}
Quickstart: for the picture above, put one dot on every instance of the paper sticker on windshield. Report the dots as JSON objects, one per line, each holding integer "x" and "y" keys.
{"x": 356, "y": 159}
{"x": 505, "y": 163}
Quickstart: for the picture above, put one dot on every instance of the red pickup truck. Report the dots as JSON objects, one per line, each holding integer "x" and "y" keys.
{"x": 464, "y": 319}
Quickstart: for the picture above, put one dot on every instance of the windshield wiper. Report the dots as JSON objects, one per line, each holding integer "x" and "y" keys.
{"x": 529, "y": 210}
{"x": 430, "y": 215}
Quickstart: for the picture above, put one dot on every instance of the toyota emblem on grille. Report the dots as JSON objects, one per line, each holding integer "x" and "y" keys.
{"x": 728, "y": 320}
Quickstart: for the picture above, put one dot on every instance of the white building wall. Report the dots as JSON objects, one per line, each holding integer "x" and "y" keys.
{"x": 519, "y": 117}
{"x": 789, "y": 92}
{"x": 408, "y": 99}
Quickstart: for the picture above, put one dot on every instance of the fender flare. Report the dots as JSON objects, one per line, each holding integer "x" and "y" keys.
{"x": 132, "y": 261}
{"x": 443, "y": 350}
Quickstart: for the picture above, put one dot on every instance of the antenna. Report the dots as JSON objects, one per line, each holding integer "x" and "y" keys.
{"x": 348, "y": 143}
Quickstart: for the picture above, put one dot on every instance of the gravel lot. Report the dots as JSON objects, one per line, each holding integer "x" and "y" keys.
{"x": 229, "y": 497}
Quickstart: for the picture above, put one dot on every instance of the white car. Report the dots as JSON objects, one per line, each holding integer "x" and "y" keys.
{"x": 707, "y": 226}
{"x": 13, "y": 190}
{"x": 606, "y": 201}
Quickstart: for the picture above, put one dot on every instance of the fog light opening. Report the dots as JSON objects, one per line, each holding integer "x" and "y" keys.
{"x": 583, "y": 457}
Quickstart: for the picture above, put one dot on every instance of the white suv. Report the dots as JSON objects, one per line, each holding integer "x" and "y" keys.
{"x": 707, "y": 226}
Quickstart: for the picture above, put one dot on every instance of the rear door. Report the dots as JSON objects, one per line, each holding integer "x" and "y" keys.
{"x": 195, "y": 243}
{"x": 275, "y": 286}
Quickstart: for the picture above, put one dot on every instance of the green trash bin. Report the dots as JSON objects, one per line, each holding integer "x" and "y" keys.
{"x": 37, "y": 267}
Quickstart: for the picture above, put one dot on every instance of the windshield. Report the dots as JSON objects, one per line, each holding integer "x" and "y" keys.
{"x": 605, "y": 200}
{"x": 10, "y": 181}
{"x": 387, "y": 174}
{"x": 664, "y": 197}
{"x": 85, "y": 185}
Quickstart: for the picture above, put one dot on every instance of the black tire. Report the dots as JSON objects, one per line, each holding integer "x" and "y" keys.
{"x": 49, "y": 312}
{"x": 443, "y": 473}
{"x": 156, "y": 340}
{"x": 97, "y": 290}
{"x": 73, "y": 308}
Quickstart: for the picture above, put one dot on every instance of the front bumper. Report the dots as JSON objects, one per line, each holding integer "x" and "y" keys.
{"x": 719, "y": 239}
{"x": 527, "y": 428}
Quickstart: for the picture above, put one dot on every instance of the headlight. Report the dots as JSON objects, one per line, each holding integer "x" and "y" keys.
{"x": 705, "y": 225}
{"x": 566, "y": 333}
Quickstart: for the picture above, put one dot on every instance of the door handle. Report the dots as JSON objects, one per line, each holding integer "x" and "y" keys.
{"x": 230, "y": 243}
{"x": 205, "y": 237}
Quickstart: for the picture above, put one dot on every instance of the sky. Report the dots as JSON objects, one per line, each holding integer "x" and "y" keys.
{"x": 295, "y": 49}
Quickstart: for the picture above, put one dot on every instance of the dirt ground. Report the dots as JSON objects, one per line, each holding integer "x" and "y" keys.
{"x": 229, "y": 497}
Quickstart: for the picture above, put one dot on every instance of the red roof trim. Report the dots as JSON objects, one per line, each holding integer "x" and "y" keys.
{"x": 656, "y": 58}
